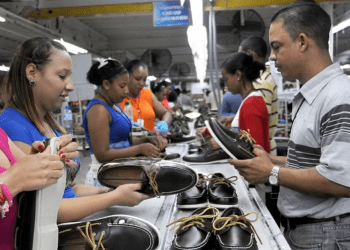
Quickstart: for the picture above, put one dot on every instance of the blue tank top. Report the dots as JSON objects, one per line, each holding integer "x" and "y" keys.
{"x": 119, "y": 127}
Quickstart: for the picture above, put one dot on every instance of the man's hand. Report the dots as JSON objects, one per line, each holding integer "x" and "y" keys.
{"x": 227, "y": 121}
{"x": 256, "y": 170}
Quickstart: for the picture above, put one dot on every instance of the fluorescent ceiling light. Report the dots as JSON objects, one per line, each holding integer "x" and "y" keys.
{"x": 2, "y": 19}
{"x": 4, "y": 68}
{"x": 151, "y": 78}
{"x": 340, "y": 26}
{"x": 71, "y": 47}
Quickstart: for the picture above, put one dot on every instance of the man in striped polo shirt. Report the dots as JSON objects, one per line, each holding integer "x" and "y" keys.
{"x": 314, "y": 177}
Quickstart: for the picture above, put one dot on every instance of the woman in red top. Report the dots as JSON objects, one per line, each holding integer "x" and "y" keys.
{"x": 239, "y": 71}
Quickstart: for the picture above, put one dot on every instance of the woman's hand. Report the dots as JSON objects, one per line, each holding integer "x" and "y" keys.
{"x": 68, "y": 150}
{"x": 147, "y": 149}
{"x": 127, "y": 195}
{"x": 38, "y": 171}
{"x": 158, "y": 141}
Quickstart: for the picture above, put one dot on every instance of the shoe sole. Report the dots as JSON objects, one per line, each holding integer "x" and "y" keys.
{"x": 46, "y": 209}
{"x": 192, "y": 206}
{"x": 219, "y": 142}
{"x": 222, "y": 206}
{"x": 124, "y": 215}
{"x": 207, "y": 162}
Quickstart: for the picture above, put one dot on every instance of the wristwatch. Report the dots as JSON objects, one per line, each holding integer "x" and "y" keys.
{"x": 274, "y": 178}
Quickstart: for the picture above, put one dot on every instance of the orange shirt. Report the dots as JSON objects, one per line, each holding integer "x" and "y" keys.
{"x": 143, "y": 106}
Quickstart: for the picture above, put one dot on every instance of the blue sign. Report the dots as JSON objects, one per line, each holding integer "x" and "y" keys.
{"x": 170, "y": 13}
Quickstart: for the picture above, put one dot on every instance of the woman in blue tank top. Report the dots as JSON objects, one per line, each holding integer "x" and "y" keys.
{"x": 107, "y": 128}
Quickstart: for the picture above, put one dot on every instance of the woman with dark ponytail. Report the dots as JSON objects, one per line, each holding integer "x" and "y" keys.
{"x": 107, "y": 127}
{"x": 239, "y": 71}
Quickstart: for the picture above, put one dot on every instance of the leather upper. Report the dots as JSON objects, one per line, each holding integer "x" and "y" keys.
{"x": 121, "y": 232}
{"x": 231, "y": 140}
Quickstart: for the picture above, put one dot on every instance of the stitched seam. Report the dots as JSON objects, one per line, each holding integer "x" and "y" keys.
{"x": 138, "y": 227}
{"x": 185, "y": 188}
{"x": 198, "y": 247}
{"x": 233, "y": 196}
{"x": 246, "y": 247}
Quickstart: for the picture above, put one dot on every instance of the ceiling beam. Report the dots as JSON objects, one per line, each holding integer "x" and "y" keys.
{"x": 93, "y": 7}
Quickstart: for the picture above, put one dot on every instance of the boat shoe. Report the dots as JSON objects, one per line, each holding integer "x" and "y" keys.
{"x": 195, "y": 232}
{"x": 206, "y": 155}
{"x": 158, "y": 177}
{"x": 221, "y": 192}
{"x": 237, "y": 145}
{"x": 115, "y": 232}
{"x": 234, "y": 230}
{"x": 195, "y": 197}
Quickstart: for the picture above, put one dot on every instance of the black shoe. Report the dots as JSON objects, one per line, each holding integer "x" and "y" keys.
{"x": 122, "y": 232}
{"x": 206, "y": 155}
{"x": 181, "y": 139}
{"x": 157, "y": 176}
{"x": 234, "y": 230}
{"x": 221, "y": 192}
{"x": 195, "y": 232}
{"x": 195, "y": 197}
{"x": 230, "y": 140}
{"x": 169, "y": 157}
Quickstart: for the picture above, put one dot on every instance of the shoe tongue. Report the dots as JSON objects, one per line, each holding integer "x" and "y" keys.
{"x": 207, "y": 227}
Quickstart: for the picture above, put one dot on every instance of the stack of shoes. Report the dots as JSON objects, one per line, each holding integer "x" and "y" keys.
{"x": 213, "y": 190}
{"x": 205, "y": 230}
{"x": 206, "y": 155}
{"x": 120, "y": 232}
{"x": 205, "y": 115}
{"x": 237, "y": 145}
{"x": 177, "y": 130}
{"x": 157, "y": 177}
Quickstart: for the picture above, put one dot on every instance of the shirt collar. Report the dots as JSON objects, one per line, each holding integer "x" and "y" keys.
{"x": 313, "y": 87}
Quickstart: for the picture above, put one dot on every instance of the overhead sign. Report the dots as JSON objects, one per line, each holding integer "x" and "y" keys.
{"x": 170, "y": 13}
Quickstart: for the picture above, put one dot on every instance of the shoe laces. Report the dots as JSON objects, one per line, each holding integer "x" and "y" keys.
{"x": 89, "y": 235}
{"x": 152, "y": 175}
{"x": 195, "y": 219}
{"x": 246, "y": 135}
{"x": 234, "y": 220}
{"x": 221, "y": 180}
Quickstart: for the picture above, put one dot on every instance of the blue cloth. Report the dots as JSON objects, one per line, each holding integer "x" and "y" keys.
{"x": 231, "y": 103}
{"x": 20, "y": 128}
{"x": 119, "y": 127}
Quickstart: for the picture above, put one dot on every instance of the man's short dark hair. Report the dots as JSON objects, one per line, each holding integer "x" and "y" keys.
{"x": 256, "y": 44}
{"x": 305, "y": 16}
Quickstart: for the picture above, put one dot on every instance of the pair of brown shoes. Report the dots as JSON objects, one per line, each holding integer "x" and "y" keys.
{"x": 205, "y": 230}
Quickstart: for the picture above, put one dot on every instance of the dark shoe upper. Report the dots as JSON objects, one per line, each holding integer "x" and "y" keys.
{"x": 195, "y": 231}
{"x": 234, "y": 230}
{"x": 158, "y": 176}
{"x": 206, "y": 154}
{"x": 232, "y": 141}
{"x": 221, "y": 190}
{"x": 120, "y": 232}
{"x": 195, "y": 196}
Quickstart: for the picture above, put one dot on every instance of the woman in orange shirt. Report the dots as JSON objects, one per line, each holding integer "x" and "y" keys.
{"x": 144, "y": 102}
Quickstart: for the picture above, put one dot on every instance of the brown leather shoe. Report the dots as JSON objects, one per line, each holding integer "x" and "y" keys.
{"x": 158, "y": 177}
{"x": 122, "y": 232}
{"x": 195, "y": 231}
{"x": 234, "y": 230}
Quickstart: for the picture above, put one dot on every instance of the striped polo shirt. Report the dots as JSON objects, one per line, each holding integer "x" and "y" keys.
{"x": 320, "y": 137}
{"x": 267, "y": 86}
